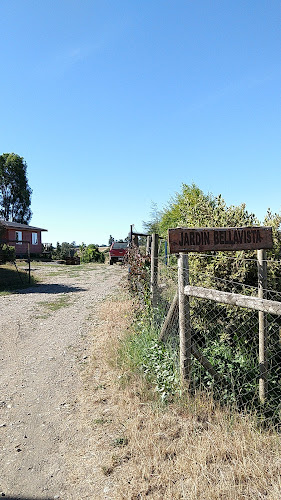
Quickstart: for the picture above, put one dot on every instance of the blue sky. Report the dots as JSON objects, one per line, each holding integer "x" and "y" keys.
{"x": 115, "y": 104}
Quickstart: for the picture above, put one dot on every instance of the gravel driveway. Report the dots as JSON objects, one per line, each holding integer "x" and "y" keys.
{"x": 44, "y": 336}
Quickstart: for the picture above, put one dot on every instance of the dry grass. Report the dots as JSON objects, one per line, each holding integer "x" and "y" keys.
{"x": 177, "y": 454}
{"x": 188, "y": 451}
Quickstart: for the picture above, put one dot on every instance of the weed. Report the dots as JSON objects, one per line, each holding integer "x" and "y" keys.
{"x": 63, "y": 301}
{"x": 107, "y": 470}
{"x": 99, "y": 421}
{"x": 41, "y": 316}
{"x": 120, "y": 441}
{"x": 140, "y": 352}
{"x": 100, "y": 386}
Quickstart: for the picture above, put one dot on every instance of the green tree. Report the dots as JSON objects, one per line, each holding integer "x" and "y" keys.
{"x": 91, "y": 253}
{"x": 152, "y": 226}
{"x": 15, "y": 193}
{"x": 64, "y": 250}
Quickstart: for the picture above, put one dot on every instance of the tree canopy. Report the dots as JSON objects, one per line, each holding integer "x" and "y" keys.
{"x": 15, "y": 193}
{"x": 193, "y": 208}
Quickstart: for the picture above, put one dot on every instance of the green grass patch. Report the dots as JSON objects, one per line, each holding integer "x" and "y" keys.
{"x": 55, "y": 305}
{"x": 73, "y": 271}
{"x": 100, "y": 421}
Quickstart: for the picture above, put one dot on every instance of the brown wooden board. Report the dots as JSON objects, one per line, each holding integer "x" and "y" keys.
{"x": 183, "y": 239}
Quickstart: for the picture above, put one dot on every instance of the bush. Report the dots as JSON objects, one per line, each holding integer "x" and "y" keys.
{"x": 91, "y": 253}
{"x": 143, "y": 354}
{"x": 64, "y": 250}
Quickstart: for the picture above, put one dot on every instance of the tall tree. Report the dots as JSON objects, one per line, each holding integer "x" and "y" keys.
{"x": 15, "y": 193}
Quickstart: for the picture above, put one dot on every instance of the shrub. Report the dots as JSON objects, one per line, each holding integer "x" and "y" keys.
{"x": 142, "y": 353}
{"x": 91, "y": 253}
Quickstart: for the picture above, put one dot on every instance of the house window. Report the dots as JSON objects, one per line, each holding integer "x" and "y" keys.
{"x": 34, "y": 239}
{"x": 19, "y": 237}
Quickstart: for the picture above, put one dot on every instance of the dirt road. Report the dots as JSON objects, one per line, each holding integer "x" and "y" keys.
{"x": 48, "y": 448}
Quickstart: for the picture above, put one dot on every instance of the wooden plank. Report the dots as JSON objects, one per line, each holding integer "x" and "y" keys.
{"x": 234, "y": 299}
{"x": 135, "y": 240}
{"x": 194, "y": 350}
{"x": 207, "y": 365}
{"x": 219, "y": 238}
{"x": 154, "y": 269}
{"x": 148, "y": 245}
{"x": 139, "y": 234}
{"x": 165, "y": 328}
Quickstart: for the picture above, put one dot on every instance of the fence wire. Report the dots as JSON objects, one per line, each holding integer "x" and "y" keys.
{"x": 226, "y": 336}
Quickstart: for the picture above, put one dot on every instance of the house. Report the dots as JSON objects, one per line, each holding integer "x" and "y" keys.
{"x": 26, "y": 239}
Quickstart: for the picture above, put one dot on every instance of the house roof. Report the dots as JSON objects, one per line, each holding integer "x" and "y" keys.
{"x": 17, "y": 225}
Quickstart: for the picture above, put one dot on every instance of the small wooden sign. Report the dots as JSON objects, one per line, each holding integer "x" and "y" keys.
{"x": 183, "y": 239}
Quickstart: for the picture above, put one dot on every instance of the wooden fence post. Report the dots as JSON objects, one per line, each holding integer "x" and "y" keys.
{"x": 135, "y": 240}
{"x": 262, "y": 285}
{"x": 184, "y": 319}
{"x": 154, "y": 268}
{"x": 148, "y": 245}
{"x": 172, "y": 310}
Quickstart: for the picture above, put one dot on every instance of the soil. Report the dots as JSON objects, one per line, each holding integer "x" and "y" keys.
{"x": 53, "y": 415}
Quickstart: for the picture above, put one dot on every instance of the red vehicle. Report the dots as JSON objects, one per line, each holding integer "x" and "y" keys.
{"x": 117, "y": 252}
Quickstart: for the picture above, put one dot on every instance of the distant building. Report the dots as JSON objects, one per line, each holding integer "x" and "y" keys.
{"x": 20, "y": 235}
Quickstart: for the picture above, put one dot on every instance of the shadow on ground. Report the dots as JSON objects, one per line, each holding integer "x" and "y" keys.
{"x": 51, "y": 288}
{"x": 13, "y": 278}
{"x": 26, "y": 498}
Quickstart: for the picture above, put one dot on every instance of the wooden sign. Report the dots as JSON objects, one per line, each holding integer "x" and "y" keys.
{"x": 183, "y": 239}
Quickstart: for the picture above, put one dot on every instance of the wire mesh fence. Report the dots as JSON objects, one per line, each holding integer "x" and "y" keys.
{"x": 225, "y": 339}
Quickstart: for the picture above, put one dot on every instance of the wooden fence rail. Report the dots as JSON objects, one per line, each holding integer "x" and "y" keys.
{"x": 233, "y": 299}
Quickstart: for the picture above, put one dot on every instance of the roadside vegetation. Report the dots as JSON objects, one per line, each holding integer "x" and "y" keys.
{"x": 201, "y": 442}
{"x": 91, "y": 253}
{"x": 180, "y": 446}
{"x": 226, "y": 336}
{"x": 86, "y": 253}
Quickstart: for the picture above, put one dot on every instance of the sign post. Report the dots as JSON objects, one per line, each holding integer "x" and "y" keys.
{"x": 154, "y": 269}
{"x": 184, "y": 240}
{"x": 262, "y": 285}
{"x": 219, "y": 239}
{"x": 184, "y": 319}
